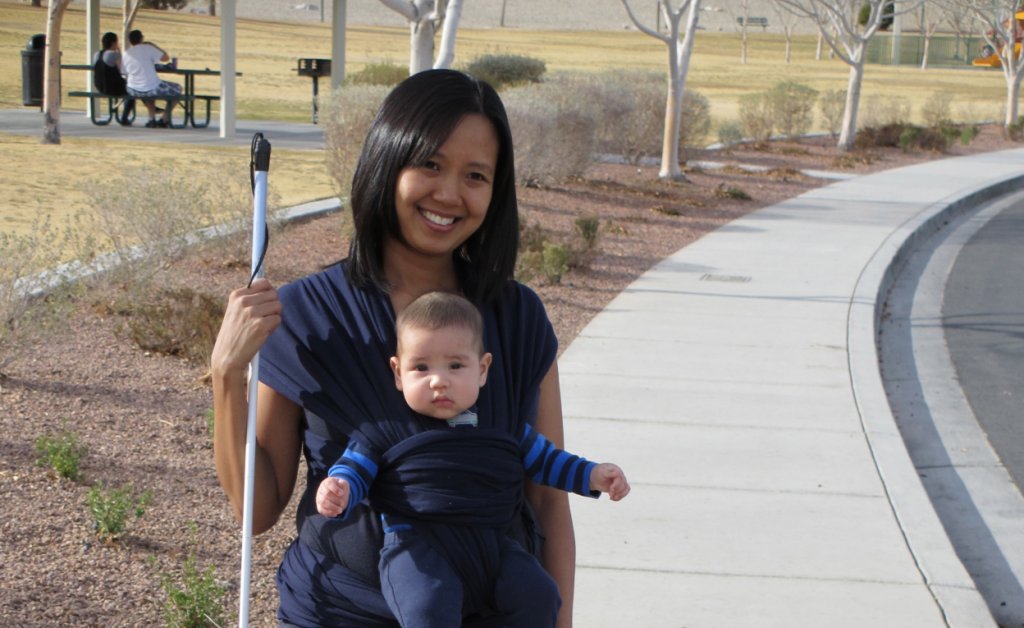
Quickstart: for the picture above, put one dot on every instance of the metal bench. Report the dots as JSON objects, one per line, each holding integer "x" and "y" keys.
{"x": 754, "y": 21}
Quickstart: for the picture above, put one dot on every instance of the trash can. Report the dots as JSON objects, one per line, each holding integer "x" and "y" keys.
{"x": 32, "y": 71}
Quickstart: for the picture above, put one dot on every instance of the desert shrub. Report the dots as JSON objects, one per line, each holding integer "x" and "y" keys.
{"x": 584, "y": 245}
{"x": 883, "y": 136}
{"x": 175, "y": 321}
{"x": 506, "y": 70}
{"x": 628, "y": 110}
{"x": 543, "y": 258}
{"x": 385, "y": 73}
{"x": 937, "y": 110}
{"x": 150, "y": 217}
{"x": 880, "y": 111}
{"x": 553, "y": 140}
{"x": 756, "y": 117}
{"x": 792, "y": 107}
{"x": 730, "y": 133}
{"x": 346, "y": 120}
{"x": 33, "y": 297}
{"x": 968, "y": 132}
{"x": 62, "y": 453}
{"x": 110, "y": 509}
{"x": 832, "y": 105}
{"x": 731, "y": 192}
{"x": 194, "y": 597}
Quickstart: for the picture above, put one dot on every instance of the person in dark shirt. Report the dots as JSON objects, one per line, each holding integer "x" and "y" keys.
{"x": 433, "y": 207}
{"x": 440, "y": 366}
{"x": 108, "y": 77}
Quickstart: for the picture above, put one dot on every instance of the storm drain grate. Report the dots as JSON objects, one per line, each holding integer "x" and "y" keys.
{"x": 725, "y": 278}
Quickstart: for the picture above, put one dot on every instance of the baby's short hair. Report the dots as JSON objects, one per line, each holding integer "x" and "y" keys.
{"x": 437, "y": 310}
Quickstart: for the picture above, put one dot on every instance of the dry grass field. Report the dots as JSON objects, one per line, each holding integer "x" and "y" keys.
{"x": 48, "y": 179}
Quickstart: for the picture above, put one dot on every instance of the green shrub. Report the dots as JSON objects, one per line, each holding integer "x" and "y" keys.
{"x": 832, "y": 106}
{"x": 506, "y": 70}
{"x": 909, "y": 137}
{"x": 62, "y": 453}
{"x": 386, "y": 73}
{"x": 731, "y": 192}
{"x": 583, "y": 247}
{"x": 554, "y": 262}
{"x": 792, "y": 107}
{"x": 967, "y": 133}
{"x": 110, "y": 509}
{"x": 885, "y": 136}
{"x": 756, "y": 117}
{"x": 194, "y": 599}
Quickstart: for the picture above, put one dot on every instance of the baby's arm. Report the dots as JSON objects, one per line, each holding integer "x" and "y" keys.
{"x": 609, "y": 478}
{"x": 332, "y": 496}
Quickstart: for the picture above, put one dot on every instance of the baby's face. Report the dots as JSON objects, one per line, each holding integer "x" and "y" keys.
{"x": 440, "y": 371}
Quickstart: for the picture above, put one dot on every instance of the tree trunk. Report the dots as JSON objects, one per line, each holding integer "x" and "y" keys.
{"x": 849, "y": 131}
{"x": 927, "y": 44}
{"x": 37, "y": 3}
{"x": 51, "y": 72}
{"x": 789, "y": 46}
{"x": 421, "y": 37}
{"x": 446, "y": 53}
{"x": 213, "y": 7}
{"x": 817, "y": 51}
{"x": 679, "y": 54}
{"x": 1012, "y": 99}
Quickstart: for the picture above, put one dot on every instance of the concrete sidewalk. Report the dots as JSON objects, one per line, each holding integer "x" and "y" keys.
{"x": 737, "y": 383}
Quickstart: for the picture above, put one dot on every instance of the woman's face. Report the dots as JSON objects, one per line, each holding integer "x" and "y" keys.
{"x": 443, "y": 202}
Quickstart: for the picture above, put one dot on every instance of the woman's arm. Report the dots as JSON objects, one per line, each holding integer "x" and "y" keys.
{"x": 552, "y": 505}
{"x": 251, "y": 315}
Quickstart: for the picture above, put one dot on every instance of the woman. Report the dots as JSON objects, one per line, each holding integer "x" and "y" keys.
{"x": 434, "y": 208}
{"x": 108, "y": 77}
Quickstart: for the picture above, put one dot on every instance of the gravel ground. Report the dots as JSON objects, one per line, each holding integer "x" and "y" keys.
{"x": 143, "y": 416}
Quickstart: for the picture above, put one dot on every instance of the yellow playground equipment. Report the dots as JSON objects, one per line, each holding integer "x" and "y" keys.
{"x": 990, "y": 58}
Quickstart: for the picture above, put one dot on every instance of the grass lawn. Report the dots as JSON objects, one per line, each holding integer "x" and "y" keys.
{"x": 48, "y": 177}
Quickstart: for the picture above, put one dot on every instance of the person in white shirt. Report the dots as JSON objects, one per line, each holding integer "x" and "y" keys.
{"x": 143, "y": 83}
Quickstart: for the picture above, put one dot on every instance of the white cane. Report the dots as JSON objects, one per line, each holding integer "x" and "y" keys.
{"x": 259, "y": 167}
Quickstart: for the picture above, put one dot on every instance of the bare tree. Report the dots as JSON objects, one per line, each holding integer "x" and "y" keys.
{"x": 931, "y": 18}
{"x": 959, "y": 20}
{"x": 838, "y": 26}
{"x": 51, "y": 72}
{"x": 1002, "y": 28}
{"x": 739, "y": 17}
{"x": 425, "y": 18}
{"x": 129, "y": 10}
{"x": 788, "y": 21}
{"x": 680, "y": 48}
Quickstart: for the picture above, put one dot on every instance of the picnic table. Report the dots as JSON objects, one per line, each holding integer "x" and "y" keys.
{"x": 188, "y": 97}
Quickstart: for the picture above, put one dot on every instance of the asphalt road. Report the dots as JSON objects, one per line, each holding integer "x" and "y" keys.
{"x": 983, "y": 320}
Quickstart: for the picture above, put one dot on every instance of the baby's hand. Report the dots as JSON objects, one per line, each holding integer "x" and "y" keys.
{"x": 332, "y": 497}
{"x": 609, "y": 478}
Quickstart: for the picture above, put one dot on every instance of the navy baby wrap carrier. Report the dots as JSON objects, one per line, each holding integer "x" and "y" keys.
{"x": 330, "y": 356}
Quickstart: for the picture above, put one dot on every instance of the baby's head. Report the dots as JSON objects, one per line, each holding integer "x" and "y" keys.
{"x": 440, "y": 363}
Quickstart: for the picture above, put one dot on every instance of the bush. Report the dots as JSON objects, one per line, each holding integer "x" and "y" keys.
{"x": 32, "y": 300}
{"x": 871, "y": 137}
{"x": 194, "y": 599}
{"x": 885, "y": 111}
{"x": 175, "y": 321}
{"x": 553, "y": 141}
{"x": 937, "y": 110}
{"x": 62, "y": 453}
{"x": 346, "y": 120}
{"x": 506, "y": 70}
{"x": 756, "y": 117}
{"x": 832, "y": 106}
{"x": 386, "y": 73}
{"x": 792, "y": 107}
{"x": 968, "y": 133}
{"x": 110, "y": 509}
{"x": 730, "y": 133}
{"x": 584, "y": 246}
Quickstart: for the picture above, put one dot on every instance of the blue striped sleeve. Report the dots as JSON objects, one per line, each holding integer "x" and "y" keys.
{"x": 550, "y": 466}
{"x": 358, "y": 466}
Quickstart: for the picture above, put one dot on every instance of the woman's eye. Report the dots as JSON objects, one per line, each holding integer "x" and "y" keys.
{"x": 431, "y": 165}
{"x": 478, "y": 176}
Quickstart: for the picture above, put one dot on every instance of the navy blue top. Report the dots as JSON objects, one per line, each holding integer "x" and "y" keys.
{"x": 330, "y": 356}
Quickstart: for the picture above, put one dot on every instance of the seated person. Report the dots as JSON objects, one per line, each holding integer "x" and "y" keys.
{"x": 440, "y": 367}
{"x": 108, "y": 76}
{"x": 143, "y": 83}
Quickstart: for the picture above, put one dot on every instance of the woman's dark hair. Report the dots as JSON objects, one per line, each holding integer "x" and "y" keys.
{"x": 413, "y": 122}
{"x": 109, "y": 39}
